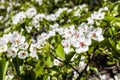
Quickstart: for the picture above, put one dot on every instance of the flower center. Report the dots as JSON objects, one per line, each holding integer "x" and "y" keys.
{"x": 82, "y": 44}
{"x": 69, "y": 32}
{"x": 93, "y": 35}
{"x": 23, "y": 54}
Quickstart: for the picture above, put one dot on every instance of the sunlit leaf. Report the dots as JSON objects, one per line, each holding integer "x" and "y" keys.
{"x": 60, "y": 52}
{"x": 38, "y": 69}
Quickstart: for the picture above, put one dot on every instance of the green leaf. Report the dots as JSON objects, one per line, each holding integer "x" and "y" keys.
{"x": 38, "y": 69}
{"x": 48, "y": 62}
{"x": 110, "y": 63}
{"x": 60, "y": 52}
{"x": 94, "y": 69}
{"x": 115, "y": 9}
{"x": 118, "y": 46}
{"x": 3, "y": 68}
{"x": 112, "y": 43}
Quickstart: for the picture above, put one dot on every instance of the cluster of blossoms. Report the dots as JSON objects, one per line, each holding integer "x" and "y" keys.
{"x": 97, "y": 15}
{"x": 74, "y": 37}
{"x": 80, "y": 39}
{"x": 14, "y": 44}
{"x": 37, "y": 17}
{"x": 19, "y": 46}
{"x": 18, "y": 18}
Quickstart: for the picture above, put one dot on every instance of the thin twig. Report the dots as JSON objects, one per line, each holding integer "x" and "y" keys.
{"x": 67, "y": 64}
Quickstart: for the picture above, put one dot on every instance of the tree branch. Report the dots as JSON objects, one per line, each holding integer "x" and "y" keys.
{"x": 67, "y": 64}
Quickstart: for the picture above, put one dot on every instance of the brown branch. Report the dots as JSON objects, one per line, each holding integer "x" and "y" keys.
{"x": 89, "y": 60}
{"x": 66, "y": 63}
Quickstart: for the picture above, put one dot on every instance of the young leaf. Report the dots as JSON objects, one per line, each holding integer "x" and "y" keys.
{"x": 38, "y": 69}
{"x": 48, "y": 62}
{"x": 60, "y": 52}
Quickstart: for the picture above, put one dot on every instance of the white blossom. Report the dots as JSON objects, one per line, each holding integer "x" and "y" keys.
{"x": 12, "y": 52}
{"x": 33, "y": 48}
{"x": 31, "y": 12}
{"x": 83, "y": 27}
{"x": 98, "y": 15}
{"x": 7, "y": 37}
{"x": 82, "y": 44}
{"x": 96, "y": 34}
{"x": 60, "y": 31}
{"x": 66, "y": 44}
{"x": 35, "y": 23}
{"x": 82, "y": 63}
{"x": 1, "y": 17}
{"x": 68, "y": 32}
{"x": 3, "y": 45}
{"x": 56, "y": 62}
{"x": 77, "y": 13}
{"x": 34, "y": 55}
{"x": 28, "y": 28}
{"x": 22, "y": 54}
{"x": 24, "y": 46}
{"x": 17, "y": 39}
{"x": 18, "y": 18}
{"x": 90, "y": 20}
{"x": 39, "y": 17}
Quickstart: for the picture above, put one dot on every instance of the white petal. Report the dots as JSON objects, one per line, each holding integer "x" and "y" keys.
{"x": 88, "y": 41}
{"x": 98, "y": 31}
{"x": 85, "y": 48}
{"x": 56, "y": 62}
{"x": 22, "y": 54}
{"x": 79, "y": 50}
{"x": 34, "y": 55}
{"x": 67, "y": 50}
{"x": 100, "y": 38}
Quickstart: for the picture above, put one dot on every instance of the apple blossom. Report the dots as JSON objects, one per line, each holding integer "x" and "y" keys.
{"x": 24, "y": 46}
{"x": 96, "y": 34}
{"x": 66, "y": 44}
{"x": 3, "y": 45}
{"x": 34, "y": 55}
{"x": 22, "y": 54}
{"x": 18, "y": 18}
{"x": 90, "y": 21}
{"x": 83, "y": 27}
{"x": 12, "y": 52}
{"x": 56, "y": 62}
{"x": 31, "y": 12}
{"x": 39, "y": 17}
{"x": 68, "y": 32}
{"x": 17, "y": 39}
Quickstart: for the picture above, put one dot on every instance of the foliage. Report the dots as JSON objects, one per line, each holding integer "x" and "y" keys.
{"x": 59, "y": 39}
